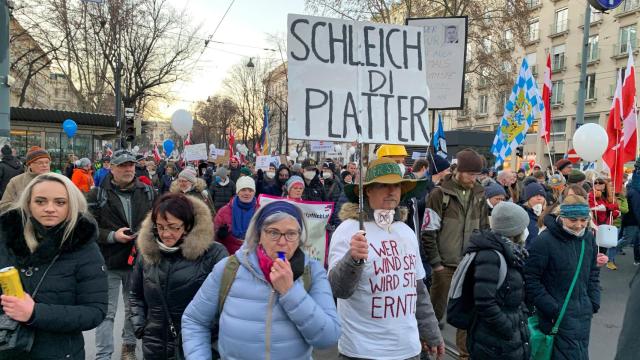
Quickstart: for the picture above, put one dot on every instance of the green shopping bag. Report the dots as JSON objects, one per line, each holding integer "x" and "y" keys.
{"x": 540, "y": 343}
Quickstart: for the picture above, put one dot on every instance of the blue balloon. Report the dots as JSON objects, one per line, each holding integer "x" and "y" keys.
{"x": 70, "y": 127}
{"x": 167, "y": 145}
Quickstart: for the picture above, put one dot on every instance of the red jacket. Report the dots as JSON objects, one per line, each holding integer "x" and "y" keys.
{"x": 602, "y": 217}
{"x": 224, "y": 218}
{"x": 83, "y": 179}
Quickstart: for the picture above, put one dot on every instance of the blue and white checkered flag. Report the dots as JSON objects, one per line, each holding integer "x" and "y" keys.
{"x": 523, "y": 105}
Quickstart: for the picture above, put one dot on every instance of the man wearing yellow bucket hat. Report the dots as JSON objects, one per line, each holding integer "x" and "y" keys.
{"x": 376, "y": 274}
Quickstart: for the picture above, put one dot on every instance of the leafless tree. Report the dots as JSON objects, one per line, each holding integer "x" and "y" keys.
{"x": 154, "y": 41}
{"x": 496, "y": 27}
{"x": 214, "y": 117}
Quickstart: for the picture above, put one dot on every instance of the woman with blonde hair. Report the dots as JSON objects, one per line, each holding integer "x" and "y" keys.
{"x": 48, "y": 238}
{"x": 562, "y": 279}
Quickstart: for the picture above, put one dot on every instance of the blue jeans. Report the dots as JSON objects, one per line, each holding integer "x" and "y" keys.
{"x": 104, "y": 331}
{"x": 632, "y": 236}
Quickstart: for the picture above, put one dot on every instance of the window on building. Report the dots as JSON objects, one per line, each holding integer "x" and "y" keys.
{"x": 591, "y": 87}
{"x": 483, "y": 104}
{"x": 507, "y": 67}
{"x": 486, "y": 44}
{"x": 558, "y": 128}
{"x": 557, "y": 60}
{"x": 533, "y": 3}
{"x": 501, "y": 101}
{"x": 532, "y": 61}
{"x": 593, "y": 119}
{"x": 561, "y": 20}
{"x": 508, "y": 39}
{"x": 534, "y": 30}
{"x": 626, "y": 35}
{"x": 628, "y": 5}
{"x": 557, "y": 92}
{"x": 593, "y": 48}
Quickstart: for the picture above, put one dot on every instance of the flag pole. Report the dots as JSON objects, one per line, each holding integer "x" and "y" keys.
{"x": 553, "y": 170}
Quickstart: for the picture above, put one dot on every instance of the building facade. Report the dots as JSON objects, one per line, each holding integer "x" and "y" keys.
{"x": 556, "y": 28}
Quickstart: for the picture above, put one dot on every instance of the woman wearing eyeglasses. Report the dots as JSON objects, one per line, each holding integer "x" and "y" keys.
{"x": 272, "y": 301}
{"x": 176, "y": 253}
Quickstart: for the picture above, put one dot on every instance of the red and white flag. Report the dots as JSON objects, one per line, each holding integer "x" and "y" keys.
{"x": 629, "y": 112}
{"x": 156, "y": 153}
{"x": 611, "y": 156}
{"x": 545, "y": 120}
{"x": 232, "y": 140}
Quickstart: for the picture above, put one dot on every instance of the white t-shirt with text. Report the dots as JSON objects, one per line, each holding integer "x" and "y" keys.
{"x": 379, "y": 319}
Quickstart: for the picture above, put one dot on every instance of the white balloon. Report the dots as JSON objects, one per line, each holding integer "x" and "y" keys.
{"x": 352, "y": 150}
{"x": 212, "y": 147}
{"x": 337, "y": 148}
{"x": 304, "y": 154}
{"x": 293, "y": 154}
{"x": 181, "y": 122}
{"x": 590, "y": 141}
{"x": 136, "y": 149}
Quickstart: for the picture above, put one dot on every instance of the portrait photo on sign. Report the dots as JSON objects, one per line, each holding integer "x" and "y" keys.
{"x": 451, "y": 34}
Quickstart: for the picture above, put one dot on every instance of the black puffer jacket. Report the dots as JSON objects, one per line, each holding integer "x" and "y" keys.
{"x": 72, "y": 297}
{"x": 500, "y": 328}
{"x": 548, "y": 272}
{"x": 180, "y": 275}
{"x": 9, "y": 167}
{"x": 222, "y": 194}
{"x": 111, "y": 217}
{"x": 314, "y": 190}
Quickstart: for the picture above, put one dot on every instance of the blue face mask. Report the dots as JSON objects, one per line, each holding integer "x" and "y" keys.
{"x": 218, "y": 179}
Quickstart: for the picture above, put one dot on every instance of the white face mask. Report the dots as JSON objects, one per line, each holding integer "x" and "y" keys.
{"x": 489, "y": 203}
{"x": 270, "y": 174}
{"x": 402, "y": 169}
{"x": 537, "y": 209}
{"x": 524, "y": 236}
{"x": 573, "y": 232}
{"x": 309, "y": 175}
{"x": 327, "y": 175}
{"x": 383, "y": 218}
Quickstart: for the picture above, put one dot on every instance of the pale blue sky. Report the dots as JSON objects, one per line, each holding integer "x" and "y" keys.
{"x": 248, "y": 22}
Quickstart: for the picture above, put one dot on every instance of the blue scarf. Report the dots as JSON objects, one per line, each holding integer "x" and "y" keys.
{"x": 241, "y": 216}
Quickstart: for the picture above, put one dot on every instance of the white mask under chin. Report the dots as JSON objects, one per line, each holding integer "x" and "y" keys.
{"x": 573, "y": 232}
{"x": 537, "y": 209}
{"x": 523, "y": 237}
{"x": 402, "y": 169}
{"x": 309, "y": 175}
{"x": 383, "y": 218}
{"x": 270, "y": 174}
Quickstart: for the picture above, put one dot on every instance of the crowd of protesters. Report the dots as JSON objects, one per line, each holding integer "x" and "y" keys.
{"x": 205, "y": 271}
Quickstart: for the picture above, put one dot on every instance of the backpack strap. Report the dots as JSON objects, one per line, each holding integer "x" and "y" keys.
{"x": 228, "y": 276}
{"x": 555, "y": 328}
{"x": 502, "y": 273}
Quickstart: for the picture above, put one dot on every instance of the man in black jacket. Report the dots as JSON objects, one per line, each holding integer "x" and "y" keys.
{"x": 9, "y": 167}
{"x": 119, "y": 205}
{"x": 314, "y": 189}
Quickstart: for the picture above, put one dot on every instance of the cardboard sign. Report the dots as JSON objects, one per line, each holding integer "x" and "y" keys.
{"x": 317, "y": 215}
{"x": 262, "y": 162}
{"x": 348, "y": 77}
{"x": 446, "y": 43}
{"x": 196, "y": 152}
{"x": 321, "y": 146}
{"x": 223, "y": 157}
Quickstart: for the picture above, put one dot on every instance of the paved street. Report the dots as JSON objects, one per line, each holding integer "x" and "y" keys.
{"x": 605, "y": 327}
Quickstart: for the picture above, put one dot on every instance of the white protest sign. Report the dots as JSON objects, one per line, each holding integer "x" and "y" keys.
{"x": 276, "y": 161}
{"x": 317, "y": 215}
{"x": 221, "y": 152}
{"x": 196, "y": 152}
{"x": 418, "y": 155}
{"x": 321, "y": 146}
{"x": 333, "y": 154}
{"x": 262, "y": 162}
{"x": 445, "y": 41}
{"x": 347, "y": 77}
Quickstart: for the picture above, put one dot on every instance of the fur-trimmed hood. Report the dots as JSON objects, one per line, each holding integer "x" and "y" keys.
{"x": 195, "y": 243}
{"x": 199, "y": 186}
{"x": 12, "y": 237}
{"x": 350, "y": 211}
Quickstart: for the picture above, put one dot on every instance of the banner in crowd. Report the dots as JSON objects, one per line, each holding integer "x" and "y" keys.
{"x": 321, "y": 146}
{"x": 317, "y": 215}
{"x": 349, "y": 77}
{"x": 196, "y": 152}
{"x": 446, "y": 44}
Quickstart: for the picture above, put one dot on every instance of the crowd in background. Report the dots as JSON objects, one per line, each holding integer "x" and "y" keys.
{"x": 181, "y": 239}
